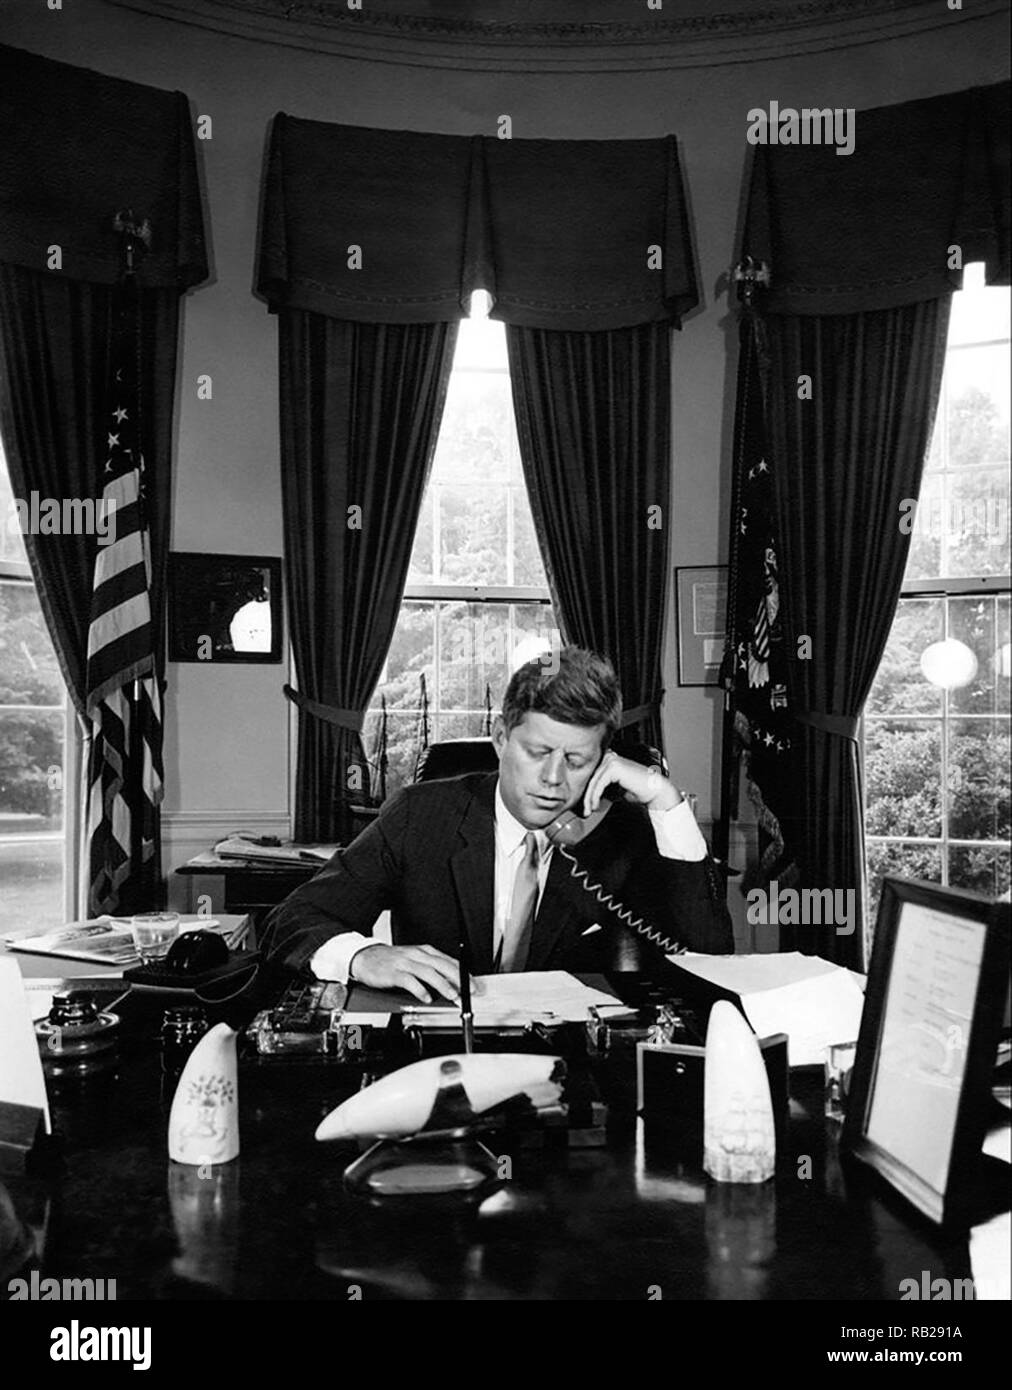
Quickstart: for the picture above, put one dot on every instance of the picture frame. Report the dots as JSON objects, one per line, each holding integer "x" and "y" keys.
{"x": 920, "y": 1091}
{"x": 701, "y": 609}
{"x": 224, "y": 608}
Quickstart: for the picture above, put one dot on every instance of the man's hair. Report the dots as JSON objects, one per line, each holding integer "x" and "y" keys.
{"x": 584, "y": 691}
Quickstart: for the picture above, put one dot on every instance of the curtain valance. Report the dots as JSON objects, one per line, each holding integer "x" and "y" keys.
{"x": 873, "y": 229}
{"x": 75, "y": 148}
{"x": 390, "y": 226}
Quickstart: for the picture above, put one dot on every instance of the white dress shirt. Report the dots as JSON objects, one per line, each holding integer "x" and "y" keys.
{"x": 675, "y": 830}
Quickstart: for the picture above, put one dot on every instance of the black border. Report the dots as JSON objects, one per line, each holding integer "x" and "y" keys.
{"x": 180, "y": 576}
{"x": 962, "y": 1190}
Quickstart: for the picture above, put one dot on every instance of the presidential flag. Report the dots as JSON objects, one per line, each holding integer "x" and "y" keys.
{"x": 755, "y": 661}
{"x": 123, "y": 695}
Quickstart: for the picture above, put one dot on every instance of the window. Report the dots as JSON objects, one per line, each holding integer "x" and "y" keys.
{"x": 33, "y": 740}
{"x": 936, "y": 726}
{"x": 476, "y": 597}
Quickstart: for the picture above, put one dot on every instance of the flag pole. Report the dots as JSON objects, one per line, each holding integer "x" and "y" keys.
{"x": 749, "y": 275}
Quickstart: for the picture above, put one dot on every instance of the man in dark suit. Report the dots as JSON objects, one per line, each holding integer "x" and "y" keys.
{"x": 504, "y": 861}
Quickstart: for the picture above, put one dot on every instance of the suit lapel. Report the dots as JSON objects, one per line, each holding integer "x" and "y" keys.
{"x": 473, "y": 870}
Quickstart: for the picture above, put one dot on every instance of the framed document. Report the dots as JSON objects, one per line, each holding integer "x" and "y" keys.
{"x": 920, "y": 1090}
{"x": 701, "y": 604}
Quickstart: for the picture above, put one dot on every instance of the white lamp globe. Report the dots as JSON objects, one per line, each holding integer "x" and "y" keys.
{"x": 949, "y": 664}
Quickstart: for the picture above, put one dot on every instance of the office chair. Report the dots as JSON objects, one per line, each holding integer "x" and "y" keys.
{"x": 453, "y": 757}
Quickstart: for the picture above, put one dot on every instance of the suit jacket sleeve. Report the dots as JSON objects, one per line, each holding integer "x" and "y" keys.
{"x": 348, "y": 894}
{"x": 682, "y": 900}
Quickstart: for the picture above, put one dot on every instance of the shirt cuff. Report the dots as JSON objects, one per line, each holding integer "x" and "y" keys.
{"x": 332, "y": 960}
{"x": 677, "y": 834}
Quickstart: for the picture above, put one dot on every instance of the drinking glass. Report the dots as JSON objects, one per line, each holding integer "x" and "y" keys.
{"x": 839, "y": 1065}
{"x": 154, "y": 933}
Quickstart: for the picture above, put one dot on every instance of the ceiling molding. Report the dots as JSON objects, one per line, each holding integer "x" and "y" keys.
{"x": 384, "y": 32}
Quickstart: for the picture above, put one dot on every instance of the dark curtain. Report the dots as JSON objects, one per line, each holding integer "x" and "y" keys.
{"x": 593, "y": 417}
{"x": 54, "y": 340}
{"x": 843, "y": 461}
{"x": 360, "y": 411}
{"x": 398, "y": 226}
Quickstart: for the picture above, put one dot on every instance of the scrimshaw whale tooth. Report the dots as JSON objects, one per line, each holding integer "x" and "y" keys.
{"x": 204, "y": 1119}
{"x": 739, "y": 1141}
{"x": 405, "y": 1102}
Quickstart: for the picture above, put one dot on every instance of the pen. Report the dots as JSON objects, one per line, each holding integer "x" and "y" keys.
{"x": 466, "y": 1014}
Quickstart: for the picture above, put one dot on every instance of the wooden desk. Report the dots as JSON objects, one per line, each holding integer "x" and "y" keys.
{"x": 593, "y": 1224}
{"x": 36, "y": 967}
{"x": 236, "y": 885}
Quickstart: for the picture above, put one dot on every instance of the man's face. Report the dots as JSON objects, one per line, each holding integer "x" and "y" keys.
{"x": 544, "y": 766}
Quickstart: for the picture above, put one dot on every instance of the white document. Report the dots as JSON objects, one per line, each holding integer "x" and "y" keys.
{"x": 21, "y": 1079}
{"x": 516, "y": 999}
{"x": 922, "y": 1050}
{"x": 989, "y": 1258}
{"x": 810, "y": 999}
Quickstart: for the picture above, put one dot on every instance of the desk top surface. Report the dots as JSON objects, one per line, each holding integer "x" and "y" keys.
{"x": 594, "y": 1223}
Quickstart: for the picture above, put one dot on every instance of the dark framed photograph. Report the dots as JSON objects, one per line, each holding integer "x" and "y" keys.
{"x": 920, "y": 1091}
{"x": 701, "y": 606}
{"x": 224, "y": 608}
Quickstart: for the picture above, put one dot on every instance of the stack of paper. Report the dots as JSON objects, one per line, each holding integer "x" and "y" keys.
{"x": 812, "y": 1000}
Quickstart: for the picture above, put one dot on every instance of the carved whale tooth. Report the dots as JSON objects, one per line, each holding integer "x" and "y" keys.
{"x": 402, "y": 1103}
{"x": 204, "y": 1119}
{"x": 739, "y": 1141}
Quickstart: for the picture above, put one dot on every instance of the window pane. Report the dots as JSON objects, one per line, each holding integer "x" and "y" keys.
{"x": 901, "y": 861}
{"x": 411, "y": 655}
{"x": 924, "y": 558}
{"x": 460, "y": 725}
{"x": 420, "y": 569}
{"x": 978, "y": 779}
{"x": 976, "y": 519}
{"x": 31, "y": 771}
{"x": 528, "y": 567}
{"x": 977, "y": 405}
{"x": 473, "y": 652}
{"x": 402, "y": 749}
{"x": 1003, "y": 656}
{"x": 29, "y": 674}
{"x": 473, "y": 437}
{"x": 983, "y": 869}
{"x": 12, "y": 542}
{"x": 974, "y": 621}
{"x": 900, "y": 686}
{"x": 903, "y": 776}
{"x": 31, "y": 872}
{"x": 979, "y": 313}
{"x": 472, "y": 534}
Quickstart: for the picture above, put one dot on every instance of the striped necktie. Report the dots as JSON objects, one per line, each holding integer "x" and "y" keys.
{"x": 516, "y": 942}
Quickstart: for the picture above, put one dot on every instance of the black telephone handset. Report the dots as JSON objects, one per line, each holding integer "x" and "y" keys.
{"x": 569, "y": 829}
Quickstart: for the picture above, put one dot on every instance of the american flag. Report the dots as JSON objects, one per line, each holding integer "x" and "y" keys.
{"x": 755, "y": 660}
{"x": 123, "y": 700}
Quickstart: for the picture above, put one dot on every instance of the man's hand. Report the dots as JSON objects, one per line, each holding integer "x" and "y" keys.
{"x": 646, "y": 786}
{"x": 421, "y": 970}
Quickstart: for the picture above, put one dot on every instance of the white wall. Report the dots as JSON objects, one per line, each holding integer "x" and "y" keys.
{"x": 227, "y": 729}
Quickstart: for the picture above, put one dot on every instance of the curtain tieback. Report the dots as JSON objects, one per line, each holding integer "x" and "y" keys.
{"x": 351, "y": 719}
{"x": 841, "y": 725}
{"x": 633, "y": 716}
